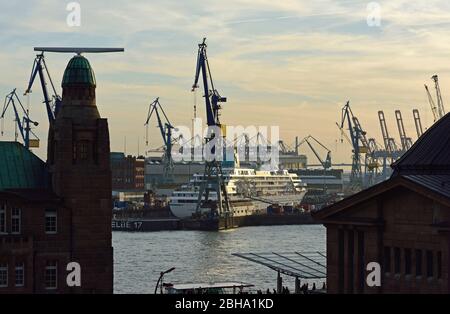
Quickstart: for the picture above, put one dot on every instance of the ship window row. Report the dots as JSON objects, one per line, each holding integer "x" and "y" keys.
{"x": 50, "y": 221}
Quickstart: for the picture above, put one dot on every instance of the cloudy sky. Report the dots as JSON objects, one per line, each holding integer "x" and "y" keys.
{"x": 291, "y": 63}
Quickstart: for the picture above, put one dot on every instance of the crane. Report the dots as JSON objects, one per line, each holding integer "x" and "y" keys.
{"x": 355, "y": 137}
{"x": 52, "y": 103}
{"x": 165, "y": 129}
{"x": 417, "y": 122}
{"x": 213, "y": 168}
{"x": 437, "y": 109}
{"x": 389, "y": 142}
{"x": 404, "y": 139}
{"x": 440, "y": 103}
{"x": 24, "y": 124}
{"x": 326, "y": 164}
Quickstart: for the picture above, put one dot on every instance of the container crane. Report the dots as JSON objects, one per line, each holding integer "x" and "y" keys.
{"x": 213, "y": 168}
{"x": 404, "y": 139}
{"x": 389, "y": 142}
{"x": 417, "y": 122}
{"x": 165, "y": 129}
{"x": 24, "y": 124}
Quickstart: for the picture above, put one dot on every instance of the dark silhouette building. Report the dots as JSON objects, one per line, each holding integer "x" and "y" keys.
{"x": 403, "y": 224}
{"x": 59, "y": 212}
{"x": 128, "y": 172}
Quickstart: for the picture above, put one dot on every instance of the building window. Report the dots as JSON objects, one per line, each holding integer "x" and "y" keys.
{"x": 439, "y": 264}
{"x": 84, "y": 150}
{"x": 51, "y": 222}
{"x": 418, "y": 263}
{"x": 3, "y": 218}
{"x": 3, "y": 275}
{"x": 20, "y": 275}
{"x": 407, "y": 261}
{"x": 429, "y": 264}
{"x": 51, "y": 275}
{"x": 397, "y": 260}
{"x": 15, "y": 221}
{"x": 387, "y": 259}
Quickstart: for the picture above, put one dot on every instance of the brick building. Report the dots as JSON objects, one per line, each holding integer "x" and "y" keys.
{"x": 403, "y": 224}
{"x": 58, "y": 212}
{"x": 128, "y": 172}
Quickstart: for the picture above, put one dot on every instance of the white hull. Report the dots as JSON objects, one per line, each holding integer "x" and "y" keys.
{"x": 185, "y": 210}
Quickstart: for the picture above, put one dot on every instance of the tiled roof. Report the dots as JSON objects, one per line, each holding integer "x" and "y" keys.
{"x": 20, "y": 168}
{"x": 431, "y": 152}
{"x": 78, "y": 71}
{"x": 437, "y": 183}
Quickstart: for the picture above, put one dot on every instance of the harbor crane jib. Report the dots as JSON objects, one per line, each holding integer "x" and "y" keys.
{"x": 23, "y": 124}
{"x": 165, "y": 129}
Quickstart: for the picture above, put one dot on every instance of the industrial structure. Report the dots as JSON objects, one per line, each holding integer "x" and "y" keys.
{"x": 213, "y": 168}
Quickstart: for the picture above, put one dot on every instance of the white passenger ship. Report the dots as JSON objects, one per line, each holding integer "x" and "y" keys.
{"x": 249, "y": 191}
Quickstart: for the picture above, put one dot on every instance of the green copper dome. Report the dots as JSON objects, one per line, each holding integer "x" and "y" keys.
{"x": 78, "y": 72}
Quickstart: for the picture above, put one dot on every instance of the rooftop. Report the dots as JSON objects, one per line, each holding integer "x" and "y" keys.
{"x": 20, "y": 168}
{"x": 78, "y": 72}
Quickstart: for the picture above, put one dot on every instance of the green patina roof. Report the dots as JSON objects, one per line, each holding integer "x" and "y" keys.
{"x": 20, "y": 168}
{"x": 78, "y": 71}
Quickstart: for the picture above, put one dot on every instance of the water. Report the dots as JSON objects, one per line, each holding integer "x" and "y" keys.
{"x": 201, "y": 256}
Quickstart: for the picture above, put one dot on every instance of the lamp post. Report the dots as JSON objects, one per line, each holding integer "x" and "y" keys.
{"x": 161, "y": 277}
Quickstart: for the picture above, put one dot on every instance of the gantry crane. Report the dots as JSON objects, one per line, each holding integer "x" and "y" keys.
{"x": 165, "y": 129}
{"x": 417, "y": 123}
{"x": 23, "y": 124}
{"x": 389, "y": 142}
{"x": 213, "y": 169}
{"x": 404, "y": 139}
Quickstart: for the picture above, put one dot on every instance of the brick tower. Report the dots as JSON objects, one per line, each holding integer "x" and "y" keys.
{"x": 79, "y": 163}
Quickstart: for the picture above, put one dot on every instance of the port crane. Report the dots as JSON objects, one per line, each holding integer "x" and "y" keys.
{"x": 417, "y": 123}
{"x": 23, "y": 124}
{"x": 437, "y": 109}
{"x": 165, "y": 129}
{"x": 213, "y": 169}
{"x": 404, "y": 139}
{"x": 326, "y": 164}
{"x": 356, "y": 133}
{"x": 52, "y": 102}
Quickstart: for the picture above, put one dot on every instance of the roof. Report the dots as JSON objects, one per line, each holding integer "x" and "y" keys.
{"x": 34, "y": 195}
{"x": 78, "y": 71}
{"x": 20, "y": 168}
{"x": 430, "y": 154}
{"x": 306, "y": 265}
{"x": 431, "y": 186}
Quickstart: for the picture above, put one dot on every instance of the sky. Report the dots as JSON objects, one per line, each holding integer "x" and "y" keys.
{"x": 289, "y": 63}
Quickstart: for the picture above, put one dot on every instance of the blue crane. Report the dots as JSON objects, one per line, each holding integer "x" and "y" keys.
{"x": 212, "y": 96}
{"x": 53, "y": 102}
{"x": 24, "y": 123}
{"x": 166, "y": 134}
{"x": 213, "y": 168}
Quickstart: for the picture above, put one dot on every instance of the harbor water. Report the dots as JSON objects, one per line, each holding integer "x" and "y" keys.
{"x": 204, "y": 256}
